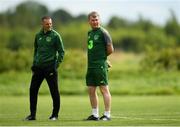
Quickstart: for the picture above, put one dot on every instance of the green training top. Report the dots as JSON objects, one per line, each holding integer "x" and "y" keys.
{"x": 97, "y": 42}
{"x": 48, "y": 49}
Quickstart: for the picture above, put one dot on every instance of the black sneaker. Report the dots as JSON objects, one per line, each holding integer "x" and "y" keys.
{"x": 105, "y": 118}
{"x": 92, "y": 117}
{"x": 53, "y": 118}
{"x": 30, "y": 117}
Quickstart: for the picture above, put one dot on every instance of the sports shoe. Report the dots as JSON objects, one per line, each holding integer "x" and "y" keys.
{"x": 53, "y": 118}
{"x": 92, "y": 117}
{"x": 30, "y": 117}
{"x": 105, "y": 118}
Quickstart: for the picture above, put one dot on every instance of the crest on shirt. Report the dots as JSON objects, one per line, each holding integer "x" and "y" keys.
{"x": 48, "y": 39}
{"x": 96, "y": 37}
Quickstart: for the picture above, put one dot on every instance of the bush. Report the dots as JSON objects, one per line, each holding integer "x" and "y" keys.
{"x": 74, "y": 64}
{"x": 17, "y": 61}
{"x": 129, "y": 40}
{"x": 20, "y": 39}
{"x": 166, "y": 59}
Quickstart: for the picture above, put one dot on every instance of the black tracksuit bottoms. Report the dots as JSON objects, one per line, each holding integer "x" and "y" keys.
{"x": 52, "y": 80}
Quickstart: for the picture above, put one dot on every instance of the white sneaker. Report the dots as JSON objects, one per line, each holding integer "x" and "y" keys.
{"x": 53, "y": 118}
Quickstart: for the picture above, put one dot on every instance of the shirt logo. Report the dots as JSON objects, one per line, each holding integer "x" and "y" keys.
{"x": 48, "y": 39}
{"x": 96, "y": 37}
{"x": 50, "y": 74}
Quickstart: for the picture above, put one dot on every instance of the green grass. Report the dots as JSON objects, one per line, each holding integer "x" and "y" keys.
{"x": 126, "y": 111}
{"x": 123, "y": 83}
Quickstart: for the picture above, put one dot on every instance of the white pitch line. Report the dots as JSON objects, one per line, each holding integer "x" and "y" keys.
{"x": 139, "y": 118}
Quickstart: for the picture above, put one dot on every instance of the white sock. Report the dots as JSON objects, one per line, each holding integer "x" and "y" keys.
{"x": 95, "y": 112}
{"x": 107, "y": 113}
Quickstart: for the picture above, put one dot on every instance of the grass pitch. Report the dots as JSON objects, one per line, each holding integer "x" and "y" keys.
{"x": 126, "y": 111}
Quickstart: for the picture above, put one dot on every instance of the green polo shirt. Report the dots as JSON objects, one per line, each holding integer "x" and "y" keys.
{"x": 97, "y": 43}
{"x": 48, "y": 49}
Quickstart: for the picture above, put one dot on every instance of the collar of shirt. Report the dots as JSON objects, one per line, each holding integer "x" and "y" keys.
{"x": 96, "y": 29}
{"x": 42, "y": 32}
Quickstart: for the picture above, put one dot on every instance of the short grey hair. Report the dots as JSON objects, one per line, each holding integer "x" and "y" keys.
{"x": 93, "y": 14}
{"x": 45, "y": 17}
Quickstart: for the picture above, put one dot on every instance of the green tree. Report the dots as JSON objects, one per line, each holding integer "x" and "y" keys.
{"x": 28, "y": 14}
{"x": 172, "y": 27}
{"x": 143, "y": 24}
{"x": 20, "y": 38}
{"x": 61, "y": 16}
{"x": 116, "y": 22}
{"x": 81, "y": 17}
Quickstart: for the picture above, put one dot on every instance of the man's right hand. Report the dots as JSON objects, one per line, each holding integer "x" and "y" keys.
{"x": 109, "y": 64}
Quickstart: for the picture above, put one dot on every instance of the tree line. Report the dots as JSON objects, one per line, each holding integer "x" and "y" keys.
{"x": 19, "y": 25}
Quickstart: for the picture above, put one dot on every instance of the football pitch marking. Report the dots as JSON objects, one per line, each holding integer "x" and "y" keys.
{"x": 140, "y": 118}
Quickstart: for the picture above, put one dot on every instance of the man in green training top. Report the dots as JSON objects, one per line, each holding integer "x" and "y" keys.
{"x": 99, "y": 47}
{"x": 48, "y": 54}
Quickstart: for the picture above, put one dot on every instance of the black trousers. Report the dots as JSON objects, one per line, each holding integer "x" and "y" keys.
{"x": 52, "y": 79}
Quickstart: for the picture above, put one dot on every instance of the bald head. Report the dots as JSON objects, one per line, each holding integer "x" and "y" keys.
{"x": 46, "y": 23}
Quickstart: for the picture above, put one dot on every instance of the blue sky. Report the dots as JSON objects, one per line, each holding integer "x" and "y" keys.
{"x": 155, "y": 10}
